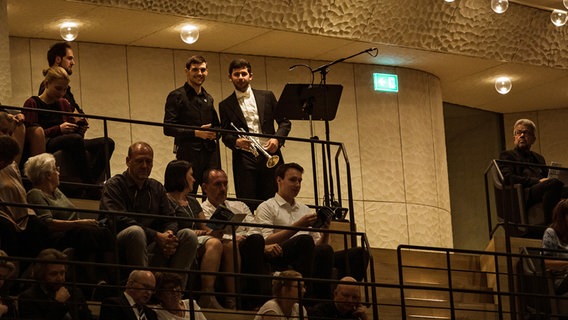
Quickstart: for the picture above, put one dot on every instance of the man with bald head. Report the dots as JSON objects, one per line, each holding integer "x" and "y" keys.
{"x": 346, "y": 303}
{"x": 131, "y": 304}
{"x": 144, "y": 241}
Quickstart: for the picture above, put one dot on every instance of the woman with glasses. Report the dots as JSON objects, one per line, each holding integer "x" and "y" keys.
{"x": 287, "y": 290}
{"x": 169, "y": 293}
{"x": 90, "y": 241}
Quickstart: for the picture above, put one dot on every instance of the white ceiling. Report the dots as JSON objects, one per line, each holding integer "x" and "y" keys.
{"x": 465, "y": 80}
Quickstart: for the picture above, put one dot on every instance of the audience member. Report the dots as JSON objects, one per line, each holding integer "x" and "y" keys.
{"x": 7, "y": 304}
{"x": 556, "y": 238}
{"x": 538, "y": 186}
{"x": 169, "y": 291}
{"x": 50, "y": 298}
{"x": 308, "y": 252}
{"x": 253, "y": 111}
{"x": 21, "y": 232}
{"x": 286, "y": 293}
{"x": 144, "y": 241}
{"x": 179, "y": 183}
{"x": 61, "y": 55}
{"x": 191, "y": 105}
{"x": 132, "y": 303}
{"x": 65, "y": 132}
{"x": 13, "y": 125}
{"x": 91, "y": 241}
{"x": 249, "y": 240}
{"x": 346, "y": 303}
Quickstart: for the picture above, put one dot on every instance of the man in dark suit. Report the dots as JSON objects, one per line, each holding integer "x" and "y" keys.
{"x": 253, "y": 111}
{"x": 539, "y": 188}
{"x": 131, "y": 304}
{"x": 191, "y": 105}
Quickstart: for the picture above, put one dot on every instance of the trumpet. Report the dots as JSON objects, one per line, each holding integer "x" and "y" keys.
{"x": 256, "y": 147}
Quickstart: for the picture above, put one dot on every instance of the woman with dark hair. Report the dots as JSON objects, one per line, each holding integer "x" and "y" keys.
{"x": 169, "y": 292}
{"x": 556, "y": 237}
{"x": 65, "y": 132}
{"x": 66, "y": 230}
{"x": 287, "y": 290}
{"x": 178, "y": 182}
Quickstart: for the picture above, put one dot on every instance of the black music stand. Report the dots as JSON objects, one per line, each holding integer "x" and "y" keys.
{"x": 300, "y": 101}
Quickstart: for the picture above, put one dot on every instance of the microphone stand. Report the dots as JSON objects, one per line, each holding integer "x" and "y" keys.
{"x": 323, "y": 70}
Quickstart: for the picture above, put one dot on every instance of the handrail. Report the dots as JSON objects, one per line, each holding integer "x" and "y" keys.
{"x": 311, "y": 141}
{"x": 512, "y": 293}
{"x": 234, "y": 225}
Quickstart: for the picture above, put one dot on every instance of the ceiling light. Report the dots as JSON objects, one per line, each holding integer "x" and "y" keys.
{"x": 69, "y": 31}
{"x": 499, "y": 6}
{"x": 559, "y": 17}
{"x": 503, "y": 85}
{"x": 453, "y": 0}
{"x": 189, "y": 33}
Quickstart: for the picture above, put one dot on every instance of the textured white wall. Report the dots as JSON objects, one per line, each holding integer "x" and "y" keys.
{"x": 395, "y": 142}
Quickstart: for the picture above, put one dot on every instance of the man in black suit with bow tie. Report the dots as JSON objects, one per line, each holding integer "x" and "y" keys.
{"x": 253, "y": 111}
{"x": 131, "y": 304}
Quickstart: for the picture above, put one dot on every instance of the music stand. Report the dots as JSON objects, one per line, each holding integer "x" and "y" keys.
{"x": 299, "y": 101}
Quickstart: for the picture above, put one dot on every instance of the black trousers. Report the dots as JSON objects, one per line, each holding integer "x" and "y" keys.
{"x": 549, "y": 192}
{"x": 201, "y": 159}
{"x": 252, "y": 178}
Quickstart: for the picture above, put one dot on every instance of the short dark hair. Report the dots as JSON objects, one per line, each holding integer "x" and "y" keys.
{"x": 174, "y": 178}
{"x": 9, "y": 148}
{"x": 167, "y": 280}
{"x": 283, "y": 168}
{"x": 207, "y": 173}
{"x": 239, "y": 64}
{"x": 57, "y": 50}
{"x": 194, "y": 60}
{"x": 53, "y": 255}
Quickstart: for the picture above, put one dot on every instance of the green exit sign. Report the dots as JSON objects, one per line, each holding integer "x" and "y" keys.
{"x": 385, "y": 82}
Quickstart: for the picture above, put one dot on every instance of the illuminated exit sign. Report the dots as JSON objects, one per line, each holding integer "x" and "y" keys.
{"x": 385, "y": 82}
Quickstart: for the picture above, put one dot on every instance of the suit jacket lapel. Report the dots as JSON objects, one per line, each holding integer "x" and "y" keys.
{"x": 259, "y": 98}
{"x": 236, "y": 108}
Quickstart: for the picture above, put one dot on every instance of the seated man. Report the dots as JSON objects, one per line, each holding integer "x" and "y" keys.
{"x": 346, "y": 303}
{"x": 132, "y": 303}
{"x": 307, "y": 252}
{"x": 146, "y": 241}
{"x": 534, "y": 179}
{"x": 249, "y": 240}
{"x": 50, "y": 298}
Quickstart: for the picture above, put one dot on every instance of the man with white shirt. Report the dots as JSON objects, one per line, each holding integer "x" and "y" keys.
{"x": 249, "y": 240}
{"x": 253, "y": 111}
{"x": 306, "y": 251}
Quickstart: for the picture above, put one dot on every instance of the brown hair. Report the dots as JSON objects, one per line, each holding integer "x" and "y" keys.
{"x": 559, "y": 220}
{"x": 279, "y": 284}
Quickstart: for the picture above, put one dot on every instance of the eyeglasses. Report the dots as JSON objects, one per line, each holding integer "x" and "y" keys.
{"x": 525, "y": 132}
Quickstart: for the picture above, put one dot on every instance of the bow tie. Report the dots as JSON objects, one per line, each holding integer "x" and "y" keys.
{"x": 242, "y": 95}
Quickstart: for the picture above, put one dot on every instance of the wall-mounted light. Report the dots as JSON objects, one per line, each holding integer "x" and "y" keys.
{"x": 503, "y": 85}
{"x": 69, "y": 30}
{"x": 499, "y": 6}
{"x": 559, "y": 17}
{"x": 189, "y": 33}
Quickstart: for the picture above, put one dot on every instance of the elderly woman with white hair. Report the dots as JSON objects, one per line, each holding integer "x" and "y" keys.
{"x": 90, "y": 241}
